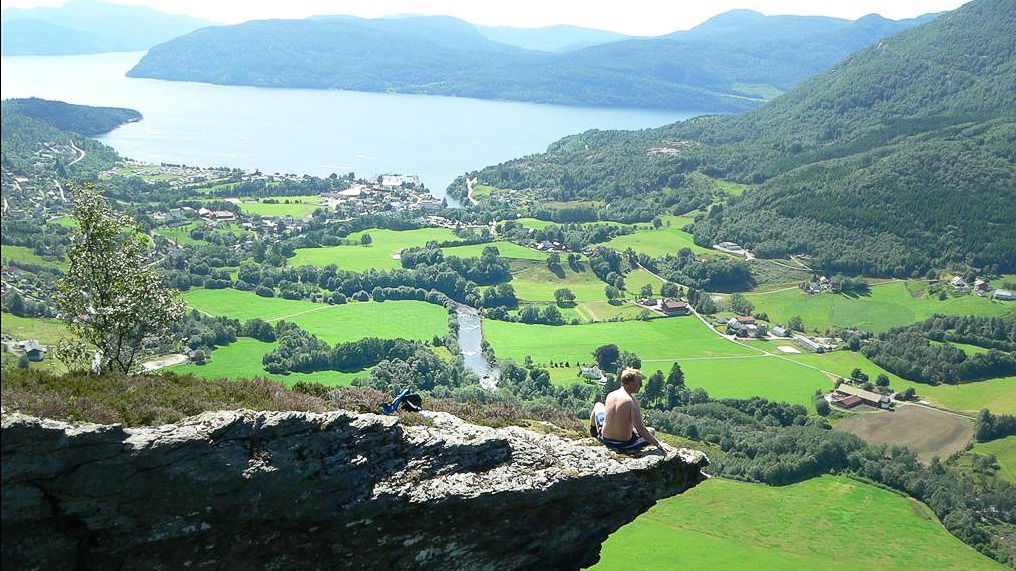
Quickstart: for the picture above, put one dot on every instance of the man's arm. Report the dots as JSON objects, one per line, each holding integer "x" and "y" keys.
{"x": 640, "y": 427}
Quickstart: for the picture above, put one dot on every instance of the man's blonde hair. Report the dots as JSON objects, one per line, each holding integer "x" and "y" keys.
{"x": 630, "y": 376}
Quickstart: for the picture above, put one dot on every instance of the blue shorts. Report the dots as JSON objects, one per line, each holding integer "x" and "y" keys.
{"x": 633, "y": 443}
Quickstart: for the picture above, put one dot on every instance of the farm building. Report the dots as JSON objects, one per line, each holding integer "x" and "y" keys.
{"x": 958, "y": 282}
{"x": 34, "y": 350}
{"x": 1005, "y": 295}
{"x": 674, "y": 307}
{"x": 812, "y": 344}
{"x": 849, "y": 402}
{"x": 780, "y": 331}
{"x": 845, "y": 391}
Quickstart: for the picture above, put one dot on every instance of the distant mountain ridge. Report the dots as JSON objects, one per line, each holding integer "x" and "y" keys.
{"x": 89, "y": 26}
{"x": 898, "y": 160}
{"x": 697, "y": 70}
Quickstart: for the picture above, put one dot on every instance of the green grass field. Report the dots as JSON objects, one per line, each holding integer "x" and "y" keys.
{"x": 46, "y": 331}
{"x": 663, "y": 240}
{"x": 297, "y": 207}
{"x": 538, "y": 283}
{"x": 829, "y": 523}
{"x": 744, "y": 377}
{"x": 180, "y": 234}
{"x": 243, "y": 360}
{"x": 889, "y": 305}
{"x": 25, "y": 255}
{"x": 639, "y": 277}
{"x": 505, "y": 249}
{"x": 332, "y": 323}
{"x": 379, "y": 254}
{"x": 1004, "y": 450}
{"x": 999, "y": 395}
{"x": 665, "y": 338}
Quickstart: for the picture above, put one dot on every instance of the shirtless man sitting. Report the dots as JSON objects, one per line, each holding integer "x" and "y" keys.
{"x": 618, "y": 422}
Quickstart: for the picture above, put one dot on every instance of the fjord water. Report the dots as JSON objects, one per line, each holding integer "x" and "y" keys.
{"x": 308, "y": 131}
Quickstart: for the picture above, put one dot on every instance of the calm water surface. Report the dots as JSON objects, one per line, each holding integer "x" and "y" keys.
{"x": 307, "y": 130}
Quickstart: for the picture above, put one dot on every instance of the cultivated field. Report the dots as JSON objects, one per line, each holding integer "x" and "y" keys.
{"x": 722, "y": 524}
{"x": 379, "y": 254}
{"x": 243, "y": 359}
{"x": 925, "y": 431}
{"x": 889, "y": 305}
{"x": 332, "y": 323}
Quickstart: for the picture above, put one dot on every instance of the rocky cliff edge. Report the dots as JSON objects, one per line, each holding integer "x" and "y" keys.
{"x": 293, "y": 490}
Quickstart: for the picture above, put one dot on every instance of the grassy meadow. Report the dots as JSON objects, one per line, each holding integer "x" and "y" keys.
{"x": 723, "y": 524}
{"x": 24, "y": 255}
{"x": 1004, "y": 450}
{"x": 889, "y": 305}
{"x": 295, "y": 206}
{"x": 664, "y": 338}
{"x": 243, "y": 359}
{"x": 753, "y": 375}
{"x": 660, "y": 241}
{"x": 385, "y": 244}
{"x": 331, "y": 323}
{"x": 46, "y": 331}
{"x": 505, "y": 249}
{"x": 538, "y": 283}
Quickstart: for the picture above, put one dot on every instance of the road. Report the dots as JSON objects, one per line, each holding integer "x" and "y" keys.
{"x": 81, "y": 156}
{"x": 470, "y": 183}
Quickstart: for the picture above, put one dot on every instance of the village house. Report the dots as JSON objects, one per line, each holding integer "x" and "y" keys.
{"x": 745, "y": 326}
{"x": 674, "y": 307}
{"x": 958, "y": 282}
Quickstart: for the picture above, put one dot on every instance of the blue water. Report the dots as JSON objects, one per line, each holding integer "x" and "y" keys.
{"x": 307, "y": 130}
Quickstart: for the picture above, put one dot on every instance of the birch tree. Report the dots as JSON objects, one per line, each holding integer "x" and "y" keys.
{"x": 113, "y": 296}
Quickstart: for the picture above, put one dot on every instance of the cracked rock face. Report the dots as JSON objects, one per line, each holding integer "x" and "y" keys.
{"x": 293, "y": 490}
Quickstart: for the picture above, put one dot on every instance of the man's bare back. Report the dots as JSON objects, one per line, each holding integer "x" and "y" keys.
{"x": 621, "y": 412}
{"x": 620, "y": 417}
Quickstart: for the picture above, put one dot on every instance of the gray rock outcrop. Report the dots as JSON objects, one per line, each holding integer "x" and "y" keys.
{"x": 288, "y": 490}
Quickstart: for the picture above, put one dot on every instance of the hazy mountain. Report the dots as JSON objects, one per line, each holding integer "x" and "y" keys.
{"x": 897, "y": 160}
{"x": 35, "y": 37}
{"x": 550, "y": 38}
{"x": 89, "y": 26}
{"x": 709, "y": 70}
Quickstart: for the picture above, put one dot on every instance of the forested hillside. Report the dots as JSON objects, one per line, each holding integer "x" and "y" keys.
{"x": 83, "y": 119}
{"x": 730, "y": 63}
{"x": 31, "y": 142}
{"x": 897, "y": 160}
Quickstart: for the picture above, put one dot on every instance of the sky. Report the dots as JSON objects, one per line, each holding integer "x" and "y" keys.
{"x": 633, "y": 17}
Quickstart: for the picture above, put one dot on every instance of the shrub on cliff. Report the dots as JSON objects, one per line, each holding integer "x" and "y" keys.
{"x": 138, "y": 400}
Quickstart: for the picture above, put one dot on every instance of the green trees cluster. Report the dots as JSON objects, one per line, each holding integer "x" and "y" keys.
{"x": 990, "y": 426}
{"x": 909, "y": 351}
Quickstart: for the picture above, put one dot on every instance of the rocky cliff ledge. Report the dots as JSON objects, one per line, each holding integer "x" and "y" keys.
{"x": 288, "y": 490}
